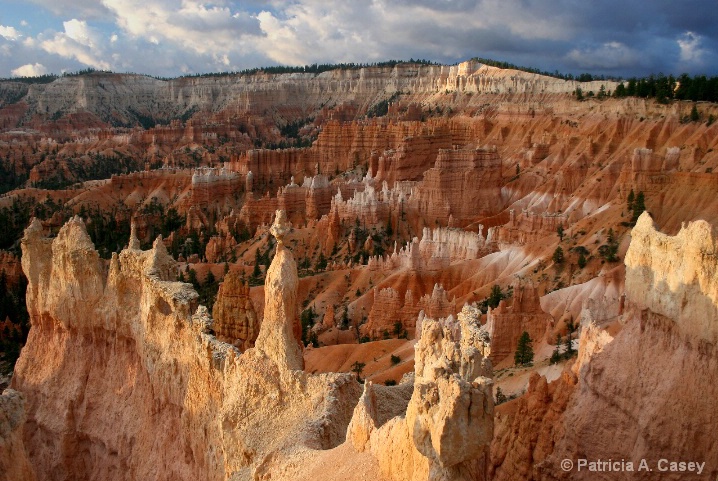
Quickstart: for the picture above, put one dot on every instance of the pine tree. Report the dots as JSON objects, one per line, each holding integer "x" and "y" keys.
{"x": 558, "y": 255}
{"x": 357, "y": 368}
{"x": 695, "y": 116}
{"x": 639, "y": 205}
{"x": 559, "y": 231}
{"x": 629, "y": 200}
{"x": 192, "y": 279}
{"x": 570, "y": 351}
{"x": 257, "y": 272}
{"x": 524, "y": 351}
{"x": 582, "y": 260}
{"x": 556, "y": 355}
{"x": 495, "y": 296}
{"x": 321, "y": 262}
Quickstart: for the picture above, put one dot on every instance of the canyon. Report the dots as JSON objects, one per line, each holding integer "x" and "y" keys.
{"x": 324, "y": 276}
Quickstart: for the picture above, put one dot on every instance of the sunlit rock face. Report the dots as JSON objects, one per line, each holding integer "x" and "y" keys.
{"x": 138, "y": 382}
{"x": 440, "y": 428}
{"x": 643, "y": 386}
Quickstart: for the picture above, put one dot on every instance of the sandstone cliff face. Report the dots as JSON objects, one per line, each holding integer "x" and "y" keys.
{"x": 448, "y": 422}
{"x": 116, "y": 96}
{"x": 675, "y": 276}
{"x": 139, "y": 389}
{"x": 449, "y": 188}
{"x": 506, "y": 324}
{"x": 14, "y": 464}
{"x": 646, "y": 390}
{"x": 235, "y": 321}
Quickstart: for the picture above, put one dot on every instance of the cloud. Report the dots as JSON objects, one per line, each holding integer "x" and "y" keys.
{"x": 86, "y": 9}
{"x": 197, "y": 26}
{"x": 609, "y": 56}
{"x": 10, "y": 33}
{"x": 79, "y": 42}
{"x": 690, "y": 48}
{"x": 169, "y": 37}
{"x": 30, "y": 70}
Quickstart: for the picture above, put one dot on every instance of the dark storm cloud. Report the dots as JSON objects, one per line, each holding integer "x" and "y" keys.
{"x": 616, "y": 37}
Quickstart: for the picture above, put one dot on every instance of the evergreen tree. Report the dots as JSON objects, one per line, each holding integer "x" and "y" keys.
{"x": 629, "y": 200}
{"x": 556, "y": 355}
{"x": 695, "y": 116}
{"x": 257, "y": 272}
{"x": 581, "y": 260}
{"x": 639, "y": 205}
{"x": 495, "y": 296}
{"x": 357, "y": 368}
{"x": 307, "y": 320}
{"x": 321, "y": 262}
{"x": 524, "y": 354}
{"x": 609, "y": 251}
{"x": 570, "y": 351}
{"x": 192, "y": 279}
{"x": 559, "y": 231}
{"x": 620, "y": 91}
{"x": 558, "y": 255}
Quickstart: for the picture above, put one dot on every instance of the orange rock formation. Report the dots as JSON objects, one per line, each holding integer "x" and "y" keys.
{"x": 235, "y": 321}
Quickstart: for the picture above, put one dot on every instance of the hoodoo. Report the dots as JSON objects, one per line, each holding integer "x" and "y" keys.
{"x": 276, "y": 337}
{"x": 397, "y": 272}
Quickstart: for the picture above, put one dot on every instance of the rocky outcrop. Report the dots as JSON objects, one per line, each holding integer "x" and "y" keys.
{"x": 450, "y": 415}
{"x": 138, "y": 382}
{"x": 213, "y": 186}
{"x": 505, "y": 324}
{"x": 10, "y": 267}
{"x": 392, "y": 313}
{"x": 641, "y": 389}
{"x": 220, "y": 248}
{"x": 675, "y": 276}
{"x": 449, "y": 188}
{"x": 528, "y": 428}
{"x": 448, "y": 424}
{"x": 277, "y": 338}
{"x": 235, "y": 320}
{"x": 451, "y": 245}
{"x": 14, "y": 464}
{"x": 103, "y": 95}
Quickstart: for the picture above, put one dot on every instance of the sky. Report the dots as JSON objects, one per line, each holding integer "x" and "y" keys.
{"x": 618, "y": 38}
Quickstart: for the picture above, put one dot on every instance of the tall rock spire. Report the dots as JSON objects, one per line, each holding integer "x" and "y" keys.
{"x": 276, "y": 336}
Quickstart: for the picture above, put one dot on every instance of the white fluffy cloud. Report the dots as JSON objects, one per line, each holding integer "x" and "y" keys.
{"x": 30, "y": 70}
{"x": 80, "y": 42}
{"x": 196, "y": 26}
{"x": 10, "y": 33}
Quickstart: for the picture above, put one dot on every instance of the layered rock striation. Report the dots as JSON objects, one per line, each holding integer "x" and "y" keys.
{"x": 235, "y": 320}
{"x": 141, "y": 390}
